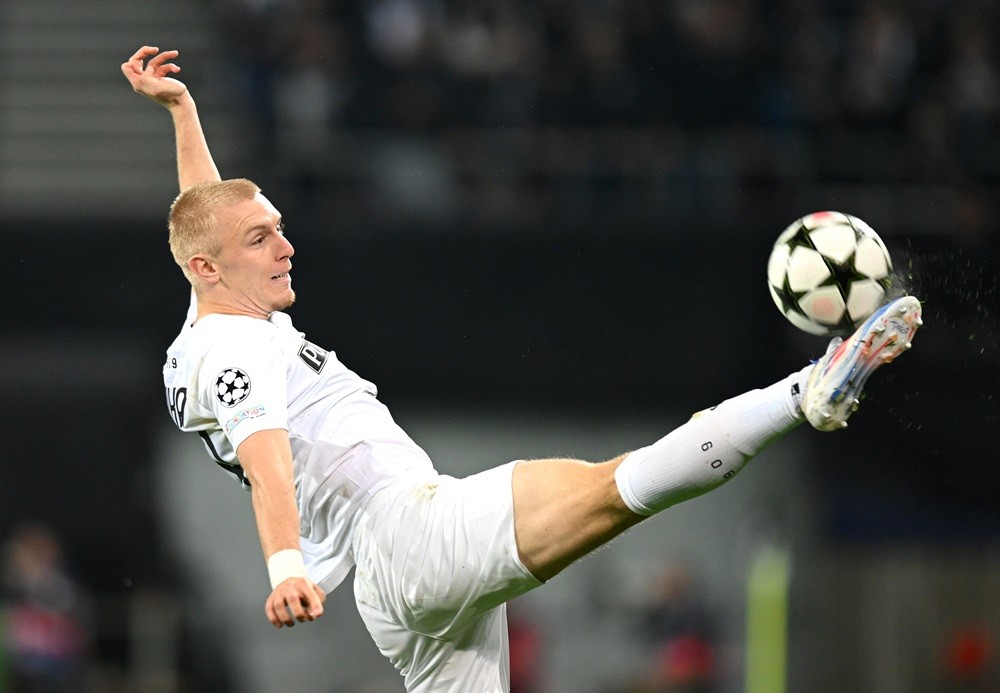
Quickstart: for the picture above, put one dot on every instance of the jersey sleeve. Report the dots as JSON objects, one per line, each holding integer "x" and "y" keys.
{"x": 246, "y": 389}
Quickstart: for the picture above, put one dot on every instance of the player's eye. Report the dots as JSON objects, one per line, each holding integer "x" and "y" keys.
{"x": 281, "y": 228}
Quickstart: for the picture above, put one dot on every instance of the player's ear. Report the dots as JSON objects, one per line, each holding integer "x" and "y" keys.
{"x": 204, "y": 267}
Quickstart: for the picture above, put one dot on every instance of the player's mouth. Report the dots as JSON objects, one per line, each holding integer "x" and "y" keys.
{"x": 283, "y": 277}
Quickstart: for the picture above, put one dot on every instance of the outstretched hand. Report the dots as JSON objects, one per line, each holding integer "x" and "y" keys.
{"x": 295, "y": 599}
{"x": 152, "y": 79}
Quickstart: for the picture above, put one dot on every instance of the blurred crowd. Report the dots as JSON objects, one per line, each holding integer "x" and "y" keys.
{"x": 923, "y": 74}
{"x": 46, "y": 620}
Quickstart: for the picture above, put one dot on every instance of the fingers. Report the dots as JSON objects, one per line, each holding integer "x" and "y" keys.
{"x": 134, "y": 63}
{"x": 294, "y": 601}
{"x": 288, "y": 613}
{"x": 277, "y": 614}
{"x": 141, "y": 54}
{"x": 157, "y": 65}
{"x": 311, "y": 604}
{"x": 167, "y": 69}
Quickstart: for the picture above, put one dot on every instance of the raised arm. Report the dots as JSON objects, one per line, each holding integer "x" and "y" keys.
{"x": 152, "y": 79}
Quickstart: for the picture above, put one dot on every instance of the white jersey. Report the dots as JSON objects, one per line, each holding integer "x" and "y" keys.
{"x": 228, "y": 377}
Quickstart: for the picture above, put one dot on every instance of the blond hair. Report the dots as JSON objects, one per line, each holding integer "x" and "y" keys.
{"x": 193, "y": 218}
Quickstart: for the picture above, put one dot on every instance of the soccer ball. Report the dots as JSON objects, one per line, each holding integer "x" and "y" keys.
{"x": 828, "y": 272}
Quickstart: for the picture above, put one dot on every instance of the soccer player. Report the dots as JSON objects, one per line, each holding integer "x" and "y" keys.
{"x": 336, "y": 483}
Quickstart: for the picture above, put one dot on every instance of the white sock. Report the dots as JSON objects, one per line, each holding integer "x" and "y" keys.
{"x": 710, "y": 448}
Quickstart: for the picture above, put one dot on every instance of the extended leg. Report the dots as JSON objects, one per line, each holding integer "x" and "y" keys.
{"x": 563, "y": 509}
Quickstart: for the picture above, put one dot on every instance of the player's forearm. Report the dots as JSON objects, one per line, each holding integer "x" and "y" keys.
{"x": 276, "y": 513}
{"x": 194, "y": 159}
{"x": 278, "y": 526}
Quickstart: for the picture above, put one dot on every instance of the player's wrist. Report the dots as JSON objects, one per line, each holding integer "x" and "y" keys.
{"x": 180, "y": 105}
{"x": 284, "y": 564}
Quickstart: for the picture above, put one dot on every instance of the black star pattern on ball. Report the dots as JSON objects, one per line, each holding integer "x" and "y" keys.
{"x": 841, "y": 274}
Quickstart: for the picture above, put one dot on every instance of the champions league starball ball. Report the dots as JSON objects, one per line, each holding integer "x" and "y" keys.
{"x": 828, "y": 272}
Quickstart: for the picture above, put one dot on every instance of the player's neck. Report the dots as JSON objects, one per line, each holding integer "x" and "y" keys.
{"x": 208, "y": 305}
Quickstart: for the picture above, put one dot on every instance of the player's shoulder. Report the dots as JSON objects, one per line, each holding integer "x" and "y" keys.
{"x": 223, "y": 334}
{"x": 231, "y": 328}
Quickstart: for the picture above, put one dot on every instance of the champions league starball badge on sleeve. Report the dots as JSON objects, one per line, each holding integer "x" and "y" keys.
{"x": 232, "y": 386}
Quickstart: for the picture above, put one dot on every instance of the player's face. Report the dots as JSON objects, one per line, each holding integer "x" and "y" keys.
{"x": 255, "y": 259}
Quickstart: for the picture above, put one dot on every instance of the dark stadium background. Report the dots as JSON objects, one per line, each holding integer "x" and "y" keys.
{"x": 599, "y": 248}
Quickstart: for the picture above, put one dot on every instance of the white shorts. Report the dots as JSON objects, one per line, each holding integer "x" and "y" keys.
{"x": 436, "y": 560}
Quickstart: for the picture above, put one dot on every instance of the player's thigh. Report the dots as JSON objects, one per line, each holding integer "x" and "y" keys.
{"x": 563, "y": 509}
{"x": 440, "y": 554}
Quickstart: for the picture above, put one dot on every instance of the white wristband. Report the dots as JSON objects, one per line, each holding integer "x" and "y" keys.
{"x": 285, "y": 564}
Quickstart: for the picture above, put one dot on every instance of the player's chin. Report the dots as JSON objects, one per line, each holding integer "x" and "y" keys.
{"x": 281, "y": 301}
